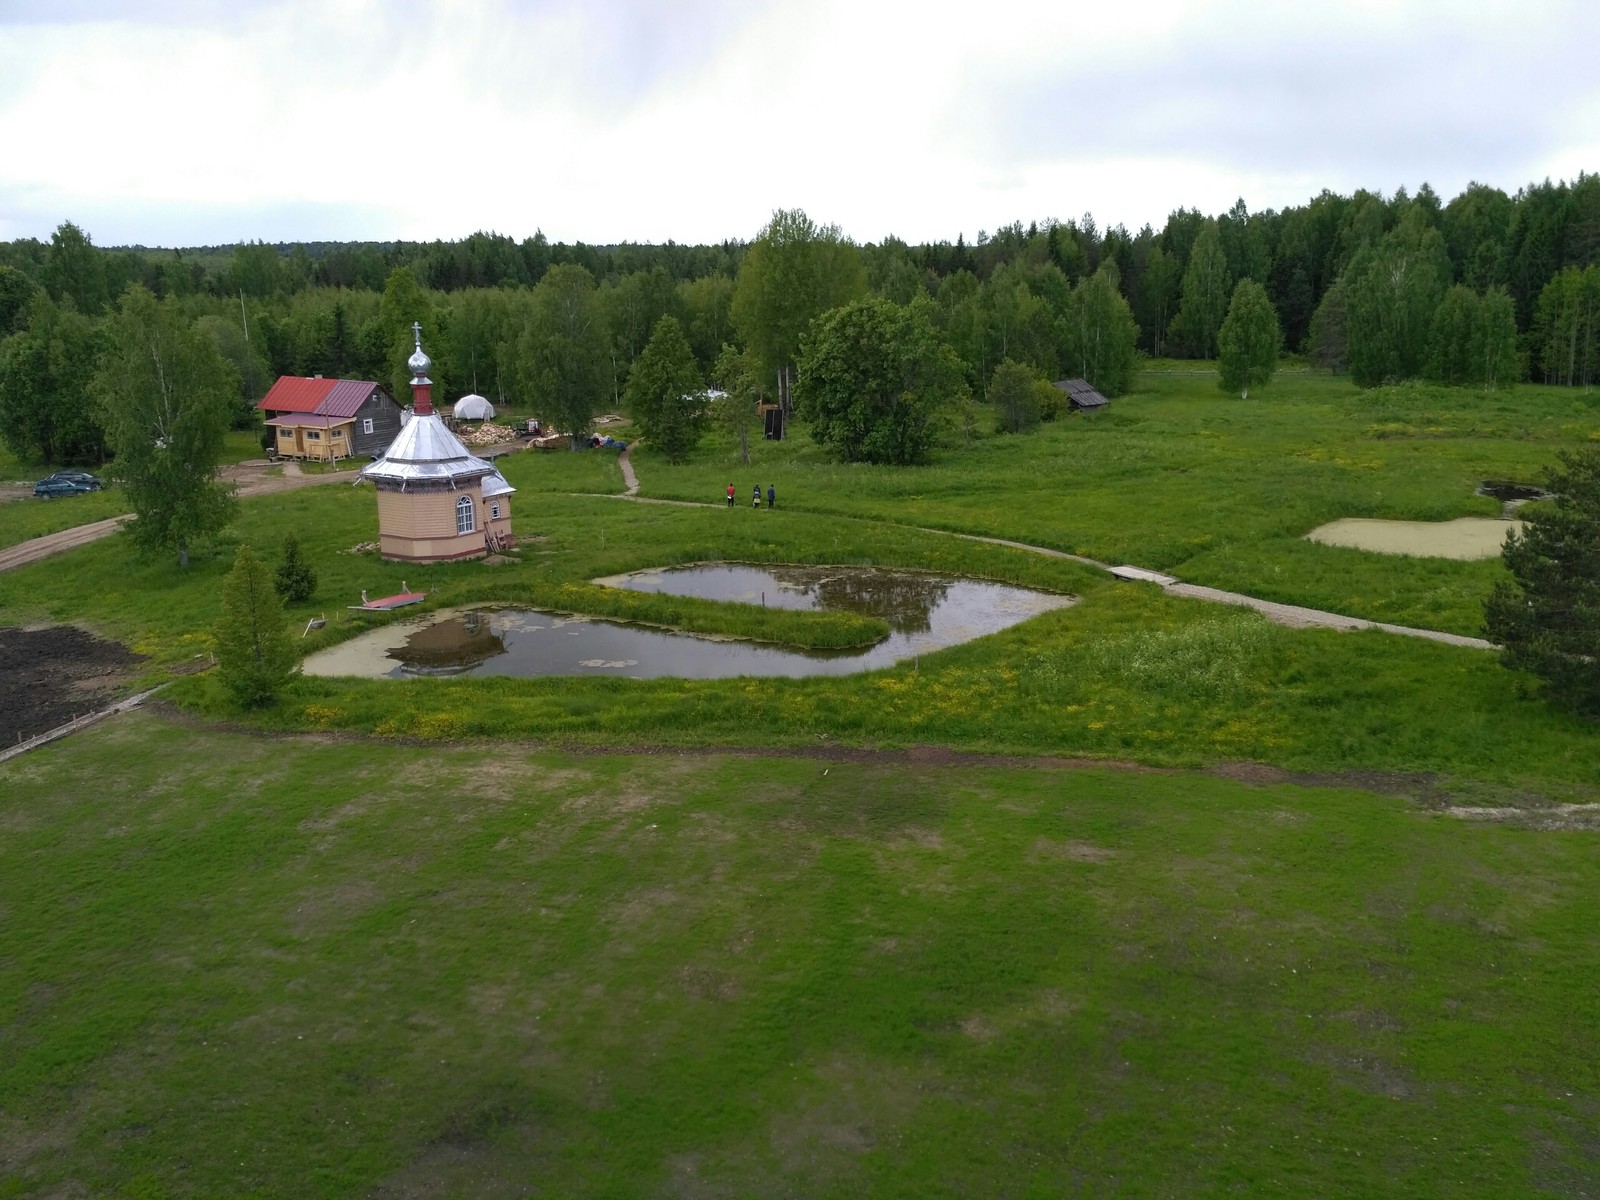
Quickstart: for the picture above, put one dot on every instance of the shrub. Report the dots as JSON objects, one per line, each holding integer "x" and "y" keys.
{"x": 1052, "y": 400}
{"x": 1014, "y": 396}
{"x": 295, "y": 582}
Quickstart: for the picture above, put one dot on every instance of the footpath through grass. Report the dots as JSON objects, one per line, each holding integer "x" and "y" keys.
{"x": 237, "y": 965}
{"x": 1126, "y": 673}
{"x": 1179, "y": 477}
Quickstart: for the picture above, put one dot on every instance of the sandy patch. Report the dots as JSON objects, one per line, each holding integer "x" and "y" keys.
{"x": 1548, "y": 817}
{"x": 1463, "y": 538}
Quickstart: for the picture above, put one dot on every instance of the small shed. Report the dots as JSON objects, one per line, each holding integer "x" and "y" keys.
{"x": 1081, "y": 395}
{"x": 473, "y": 407}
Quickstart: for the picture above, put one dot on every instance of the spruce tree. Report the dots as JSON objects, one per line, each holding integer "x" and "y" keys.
{"x": 254, "y": 655}
{"x": 295, "y": 582}
{"x": 1548, "y": 623}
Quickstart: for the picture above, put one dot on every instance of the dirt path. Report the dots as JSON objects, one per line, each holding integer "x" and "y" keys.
{"x": 34, "y": 549}
{"x": 254, "y": 478}
{"x": 1290, "y": 615}
{"x": 626, "y": 463}
{"x": 1296, "y": 617}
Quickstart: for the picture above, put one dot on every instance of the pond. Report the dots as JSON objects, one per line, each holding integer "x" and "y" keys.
{"x": 925, "y": 613}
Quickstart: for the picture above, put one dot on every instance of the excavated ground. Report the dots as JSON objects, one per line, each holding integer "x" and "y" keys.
{"x": 53, "y": 674}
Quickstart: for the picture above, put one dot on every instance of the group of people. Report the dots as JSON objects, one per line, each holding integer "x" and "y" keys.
{"x": 755, "y": 496}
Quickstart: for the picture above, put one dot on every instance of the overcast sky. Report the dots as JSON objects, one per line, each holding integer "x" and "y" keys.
{"x": 181, "y": 122}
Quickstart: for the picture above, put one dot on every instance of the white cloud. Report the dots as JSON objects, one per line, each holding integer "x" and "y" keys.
{"x": 603, "y": 121}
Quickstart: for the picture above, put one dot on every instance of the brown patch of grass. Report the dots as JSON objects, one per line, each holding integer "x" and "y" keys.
{"x": 326, "y": 908}
{"x": 708, "y": 983}
{"x": 1070, "y": 850}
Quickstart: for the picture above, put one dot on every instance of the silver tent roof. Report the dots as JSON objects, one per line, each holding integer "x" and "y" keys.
{"x": 426, "y": 450}
{"x": 496, "y": 485}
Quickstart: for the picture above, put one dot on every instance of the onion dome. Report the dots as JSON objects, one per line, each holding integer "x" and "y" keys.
{"x": 419, "y": 362}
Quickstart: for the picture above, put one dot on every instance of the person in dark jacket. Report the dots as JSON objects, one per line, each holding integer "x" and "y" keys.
{"x": 755, "y": 500}
{"x": 772, "y": 496}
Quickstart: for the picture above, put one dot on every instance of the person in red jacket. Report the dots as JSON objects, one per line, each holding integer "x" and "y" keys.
{"x": 730, "y": 495}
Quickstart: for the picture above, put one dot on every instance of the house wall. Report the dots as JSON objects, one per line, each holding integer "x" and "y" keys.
{"x": 384, "y": 414}
{"x": 328, "y": 444}
{"x": 502, "y": 524}
{"x": 421, "y": 526}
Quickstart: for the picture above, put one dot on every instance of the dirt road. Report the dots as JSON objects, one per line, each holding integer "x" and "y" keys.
{"x": 253, "y": 478}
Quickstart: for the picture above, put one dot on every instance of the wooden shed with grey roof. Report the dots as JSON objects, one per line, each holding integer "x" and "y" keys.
{"x": 1081, "y": 395}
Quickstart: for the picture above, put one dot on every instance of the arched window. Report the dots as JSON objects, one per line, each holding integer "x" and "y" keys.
{"x": 494, "y": 510}
{"x": 464, "y": 521}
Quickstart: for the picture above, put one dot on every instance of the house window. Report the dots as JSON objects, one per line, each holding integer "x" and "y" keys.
{"x": 313, "y": 436}
{"x": 494, "y": 510}
{"x": 464, "y": 522}
{"x": 366, "y": 425}
{"x": 286, "y": 435}
{"x": 338, "y": 433}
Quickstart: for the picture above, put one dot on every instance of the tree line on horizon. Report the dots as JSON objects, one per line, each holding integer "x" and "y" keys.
{"x": 1484, "y": 290}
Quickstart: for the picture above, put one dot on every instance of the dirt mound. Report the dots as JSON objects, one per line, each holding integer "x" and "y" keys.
{"x": 54, "y": 674}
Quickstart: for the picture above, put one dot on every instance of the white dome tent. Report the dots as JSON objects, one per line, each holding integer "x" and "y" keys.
{"x": 473, "y": 407}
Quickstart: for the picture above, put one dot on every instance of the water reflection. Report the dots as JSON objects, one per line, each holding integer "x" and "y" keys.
{"x": 926, "y": 613}
{"x": 452, "y": 646}
{"x": 905, "y": 599}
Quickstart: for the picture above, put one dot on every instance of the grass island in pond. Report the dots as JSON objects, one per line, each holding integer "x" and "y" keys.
{"x": 924, "y": 612}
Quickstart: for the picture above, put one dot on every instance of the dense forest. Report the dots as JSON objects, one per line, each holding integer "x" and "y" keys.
{"x": 1486, "y": 289}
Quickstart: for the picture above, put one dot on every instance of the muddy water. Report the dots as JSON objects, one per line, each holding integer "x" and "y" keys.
{"x": 1463, "y": 538}
{"x": 925, "y": 613}
{"x": 1507, "y": 492}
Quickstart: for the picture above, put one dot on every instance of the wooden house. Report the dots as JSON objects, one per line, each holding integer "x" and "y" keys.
{"x": 1081, "y": 395}
{"x": 329, "y": 419}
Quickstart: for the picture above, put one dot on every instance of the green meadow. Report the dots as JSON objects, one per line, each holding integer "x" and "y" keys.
{"x": 839, "y": 936}
{"x": 239, "y": 965}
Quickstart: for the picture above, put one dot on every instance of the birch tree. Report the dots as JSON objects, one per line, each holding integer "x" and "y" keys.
{"x": 164, "y": 395}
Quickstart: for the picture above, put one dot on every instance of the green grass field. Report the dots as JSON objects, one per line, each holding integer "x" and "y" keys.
{"x": 1179, "y": 477}
{"x": 611, "y": 937}
{"x": 300, "y": 968}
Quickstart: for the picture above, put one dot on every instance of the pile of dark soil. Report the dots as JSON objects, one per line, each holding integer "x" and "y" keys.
{"x": 52, "y": 675}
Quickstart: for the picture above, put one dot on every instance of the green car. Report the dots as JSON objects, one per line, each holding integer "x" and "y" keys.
{"x": 67, "y": 483}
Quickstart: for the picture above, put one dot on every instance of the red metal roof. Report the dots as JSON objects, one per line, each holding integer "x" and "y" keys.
{"x": 292, "y": 393}
{"x": 345, "y": 397}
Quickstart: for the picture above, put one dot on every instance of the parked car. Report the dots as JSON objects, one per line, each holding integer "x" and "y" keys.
{"x": 92, "y": 482}
{"x": 53, "y": 487}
